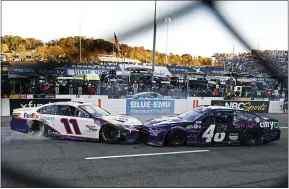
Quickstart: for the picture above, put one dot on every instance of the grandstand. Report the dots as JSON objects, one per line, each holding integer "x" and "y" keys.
{"x": 245, "y": 62}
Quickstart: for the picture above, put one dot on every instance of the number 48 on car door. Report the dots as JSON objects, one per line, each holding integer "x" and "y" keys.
{"x": 211, "y": 136}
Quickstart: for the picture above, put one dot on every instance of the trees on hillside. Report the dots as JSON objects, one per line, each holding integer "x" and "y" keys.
{"x": 4, "y": 48}
{"x": 90, "y": 48}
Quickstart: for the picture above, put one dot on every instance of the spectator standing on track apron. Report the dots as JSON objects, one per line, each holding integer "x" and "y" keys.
{"x": 135, "y": 87}
{"x": 79, "y": 89}
{"x": 285, "y": 105}
{"x": 71, "y": 88}
{"x": 56, "y": 88}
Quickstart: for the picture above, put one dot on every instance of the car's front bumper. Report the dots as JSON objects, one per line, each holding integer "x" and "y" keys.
{"x": 154, "y": 137}
{"x": 135, "y": 135}
{"x": 272, "y": 136}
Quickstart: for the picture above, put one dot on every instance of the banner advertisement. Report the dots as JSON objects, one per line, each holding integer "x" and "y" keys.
{"x": 215, "y": 72}
{"x": 242, "y": 99}
{"x": 23, "y": 96}
{"x": 22, "y": 71}
{"x": 15, "y": 96}
{"x": 73, "y": 72}
{"x": 26, "y": 103}
{"x": 93, "y": 67}
{"x": 51, "y": 71}
{"x": 247, "y": 106}
{"x": 16, "y": 70}
{"x": 44, "y": 96}
{"x": 159, "y": 71}
{"x": 150, "y": 106}
{"x": 183, "y": 69}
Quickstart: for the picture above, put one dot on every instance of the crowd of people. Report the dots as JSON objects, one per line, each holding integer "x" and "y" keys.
{"x": 119, "y": 86}
{"x": 246, "y": 63}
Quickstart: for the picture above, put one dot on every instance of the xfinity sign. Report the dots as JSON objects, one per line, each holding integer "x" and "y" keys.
{"x": 31, "y": 103}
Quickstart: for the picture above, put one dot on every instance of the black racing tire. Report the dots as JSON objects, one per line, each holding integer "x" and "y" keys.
{"x": 110, "y": 134}
{"x": 176, "y": 137}
{"x": 36, "y": 128}
{"x": 253, "y": 139}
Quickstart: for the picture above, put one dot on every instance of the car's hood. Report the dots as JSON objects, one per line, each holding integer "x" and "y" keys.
{"x": 164, "y": 120}
{"x": 266, "y": 118}
{"x": 269, "y": 119}
{"x": 122, "y": 120}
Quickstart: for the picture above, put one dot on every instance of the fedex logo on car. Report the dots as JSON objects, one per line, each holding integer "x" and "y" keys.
{"x": 33, "y": 115}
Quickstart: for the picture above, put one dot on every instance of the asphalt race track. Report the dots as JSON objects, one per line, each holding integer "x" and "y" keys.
{"x": 63, "y": 162}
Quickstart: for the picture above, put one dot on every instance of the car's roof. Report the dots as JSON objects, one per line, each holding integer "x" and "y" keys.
{"x": 221, "y": 107}
{"x": 217, "y": 108}
{"x": 71, "y": 103}
{"x": 144, "y": 93}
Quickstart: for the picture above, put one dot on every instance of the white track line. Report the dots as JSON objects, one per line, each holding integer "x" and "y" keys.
{"x": 151, "y": 154}
{"x": 283, "y": 127}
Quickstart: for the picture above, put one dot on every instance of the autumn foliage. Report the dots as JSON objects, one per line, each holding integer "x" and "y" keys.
{"x": 69, "y": 47}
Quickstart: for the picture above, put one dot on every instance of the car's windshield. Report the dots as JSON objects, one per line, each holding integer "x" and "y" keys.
{"x": 94, "y": 110}
{"x": 191, "y": 115}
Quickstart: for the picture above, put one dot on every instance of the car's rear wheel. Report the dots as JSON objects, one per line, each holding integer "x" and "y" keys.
{"x": 110, "y": 134}
{"x": 176, "y": 138}
{"x": 36, "y": 127}
{"x": 253, "y": 139}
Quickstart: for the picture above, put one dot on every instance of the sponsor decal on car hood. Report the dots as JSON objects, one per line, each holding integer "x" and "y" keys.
{"x": 121, "y": 120}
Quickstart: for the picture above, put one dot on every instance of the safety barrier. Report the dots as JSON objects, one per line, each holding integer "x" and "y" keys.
{"x": 147, "y": 106}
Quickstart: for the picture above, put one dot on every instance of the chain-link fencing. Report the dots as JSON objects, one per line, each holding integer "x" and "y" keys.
{"x": 264, "y": 62}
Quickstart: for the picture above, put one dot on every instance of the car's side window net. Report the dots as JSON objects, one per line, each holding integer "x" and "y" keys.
{"x": 207, "y": 119}
{"x": 66, "y": 110}
{"x": 243, "y": 116}
{"x": 224, "y": 117}
{"x": 79, "y": 113}
{"x": 47, "y": 110}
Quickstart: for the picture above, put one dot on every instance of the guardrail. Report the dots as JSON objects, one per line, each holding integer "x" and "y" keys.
{"x": 148, "y": 106}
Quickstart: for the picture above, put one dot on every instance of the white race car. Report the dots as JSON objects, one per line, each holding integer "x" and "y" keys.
{"x": 76, "y": 121}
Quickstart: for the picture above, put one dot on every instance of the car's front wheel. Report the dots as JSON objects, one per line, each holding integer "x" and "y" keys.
{"x": 176, "y": 137}
{"x": 110, "y": 134}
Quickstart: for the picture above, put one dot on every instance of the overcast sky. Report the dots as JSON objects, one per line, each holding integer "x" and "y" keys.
{"x": 197, "y": 33}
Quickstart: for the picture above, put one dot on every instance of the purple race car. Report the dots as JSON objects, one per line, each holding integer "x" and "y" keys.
{"x": 211, "y": 125}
